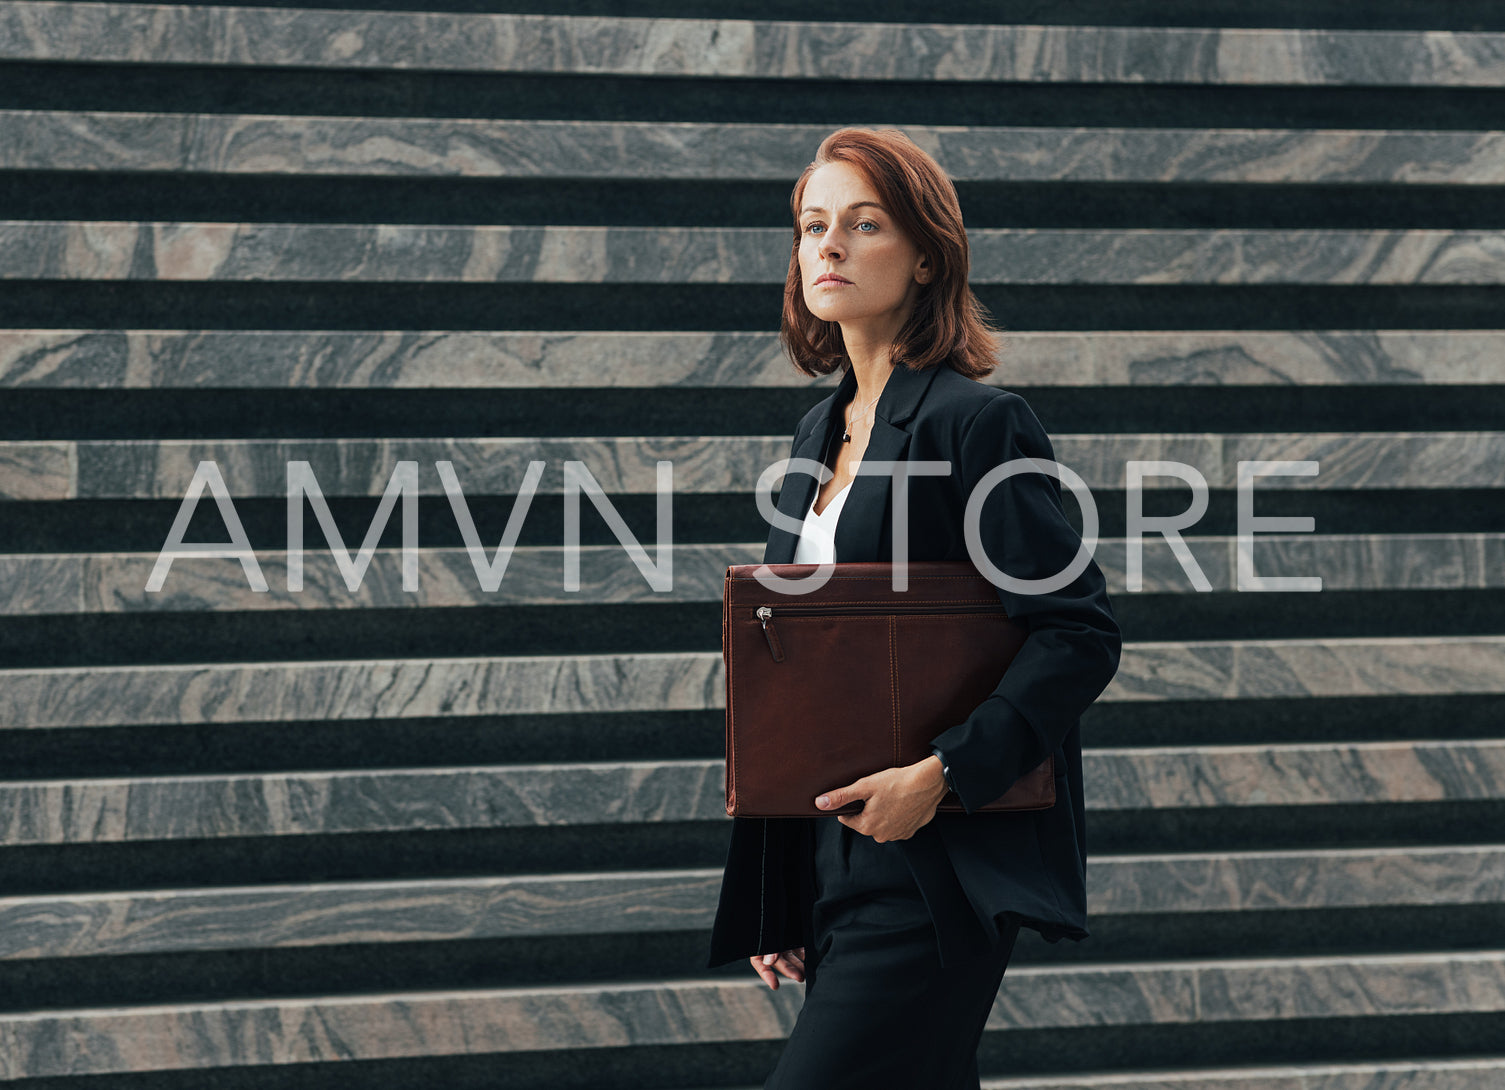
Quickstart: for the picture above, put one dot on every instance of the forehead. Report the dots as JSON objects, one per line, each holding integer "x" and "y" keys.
{"x": 836, "y": 185}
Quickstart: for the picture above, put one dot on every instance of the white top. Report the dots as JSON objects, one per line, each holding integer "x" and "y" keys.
{"x": 817, "y": 543}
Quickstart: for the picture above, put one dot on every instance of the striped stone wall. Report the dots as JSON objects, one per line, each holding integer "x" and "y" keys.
{"x": 395, "y": 837}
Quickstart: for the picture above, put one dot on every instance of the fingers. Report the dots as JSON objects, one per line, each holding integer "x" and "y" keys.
{"x": 764, "y": 971}
{"x": 791, "y": 963}
{"x": 840, "y": 796}
{"x": 854, "y": 822}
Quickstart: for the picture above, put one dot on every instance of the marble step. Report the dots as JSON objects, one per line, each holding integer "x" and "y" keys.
{"x": 456, "y": 909}
{"x": 502, "y": 254}
{"x": 1428, "y": 1074}
{"x": 617, "y": 150}
{"x": 69, "y": 469}
{"x": 106, "y": 810}
{"x": 743, "y": 49}
{"x": 252, "y": 1033}
{"x": 107, "y": 359}
{"x": 398, "y": 689}
{"x": 97, "y": 583}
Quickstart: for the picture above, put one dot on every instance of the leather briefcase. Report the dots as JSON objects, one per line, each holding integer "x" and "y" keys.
{"x": 828, "y": 686}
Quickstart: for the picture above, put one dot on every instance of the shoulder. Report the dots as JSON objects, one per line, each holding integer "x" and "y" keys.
{"x": 958, "y": 406}
{"x": 813, "y": 417}
{"x": 978, "y": 426}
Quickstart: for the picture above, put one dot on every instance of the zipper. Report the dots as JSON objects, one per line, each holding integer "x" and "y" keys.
{"x": 765, "y": 614}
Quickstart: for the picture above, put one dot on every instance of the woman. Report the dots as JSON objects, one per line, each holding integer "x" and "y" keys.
{"x": 900, "y": 920}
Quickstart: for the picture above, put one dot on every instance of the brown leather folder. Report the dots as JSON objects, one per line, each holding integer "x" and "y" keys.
{"x": 828, "y": 686}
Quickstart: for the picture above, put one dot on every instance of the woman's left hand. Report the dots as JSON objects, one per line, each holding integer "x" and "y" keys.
{"x": 897, "y": 801}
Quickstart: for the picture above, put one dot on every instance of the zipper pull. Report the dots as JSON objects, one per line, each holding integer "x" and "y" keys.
{"x": 765, "y": 614}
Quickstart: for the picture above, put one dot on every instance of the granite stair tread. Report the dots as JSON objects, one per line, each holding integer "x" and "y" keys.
{"x": 86, "y": 359}
{"x": 1418, "y": 1074}
{"x": 193, "y": 251}
{"x": 730, "y": 49}
{"x": 439, "y": 909}
{"x": 648, "y": 792}
{"x": 102, "y": 583}
{"x": 188, "y": 1035}
{"x": 66, "y": 469}
{"x": 375, "y": 689}
{"x": 302, "y": 146}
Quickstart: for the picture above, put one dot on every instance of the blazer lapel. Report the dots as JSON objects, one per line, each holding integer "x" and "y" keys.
{"x": 799, "y": 487}
{"x": 863, "y": 530}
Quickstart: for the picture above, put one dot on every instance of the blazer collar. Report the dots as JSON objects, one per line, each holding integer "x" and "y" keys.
{"x": 863, "y": 530}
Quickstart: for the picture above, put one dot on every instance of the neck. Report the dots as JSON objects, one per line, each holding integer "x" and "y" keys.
{"x": 868, "y": 344}
{"x": 872, "y": 373}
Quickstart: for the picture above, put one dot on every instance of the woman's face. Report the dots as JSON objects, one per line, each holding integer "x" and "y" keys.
{"x": 881, "y": 268}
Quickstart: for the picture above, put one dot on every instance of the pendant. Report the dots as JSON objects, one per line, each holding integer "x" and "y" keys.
{"x": 845, "y": 436}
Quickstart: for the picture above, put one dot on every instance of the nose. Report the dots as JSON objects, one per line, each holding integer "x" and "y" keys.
{"x": 826, "y": 246}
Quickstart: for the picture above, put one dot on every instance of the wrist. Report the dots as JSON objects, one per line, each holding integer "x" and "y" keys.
{"x": 935, "y": 777}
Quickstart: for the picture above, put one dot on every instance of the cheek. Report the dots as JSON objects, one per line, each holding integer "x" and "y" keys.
{"x": 899, "y": 260}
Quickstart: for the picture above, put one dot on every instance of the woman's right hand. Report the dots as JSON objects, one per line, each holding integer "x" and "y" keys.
{"x": 791, "y": 963}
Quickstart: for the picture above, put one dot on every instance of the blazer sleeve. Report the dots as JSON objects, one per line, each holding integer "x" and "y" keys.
{"x": 1072, "y": 650}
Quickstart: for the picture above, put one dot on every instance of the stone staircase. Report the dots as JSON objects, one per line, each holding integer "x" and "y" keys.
{"x": 415, "y": 832}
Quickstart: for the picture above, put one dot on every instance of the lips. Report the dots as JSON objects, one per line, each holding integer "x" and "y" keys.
{"x": 832, "y": 278}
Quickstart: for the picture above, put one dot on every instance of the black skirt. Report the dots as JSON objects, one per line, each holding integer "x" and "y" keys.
{"x": 880, "y": 1009}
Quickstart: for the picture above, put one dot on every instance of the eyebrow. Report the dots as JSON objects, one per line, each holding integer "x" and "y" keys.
{"x": 859, "y": 204}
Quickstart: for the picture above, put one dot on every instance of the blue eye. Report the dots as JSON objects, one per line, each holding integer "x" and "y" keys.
{"x": 865, "y": 223}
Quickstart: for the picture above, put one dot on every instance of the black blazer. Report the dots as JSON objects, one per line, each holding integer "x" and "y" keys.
{"x": 1028, "y": 863}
